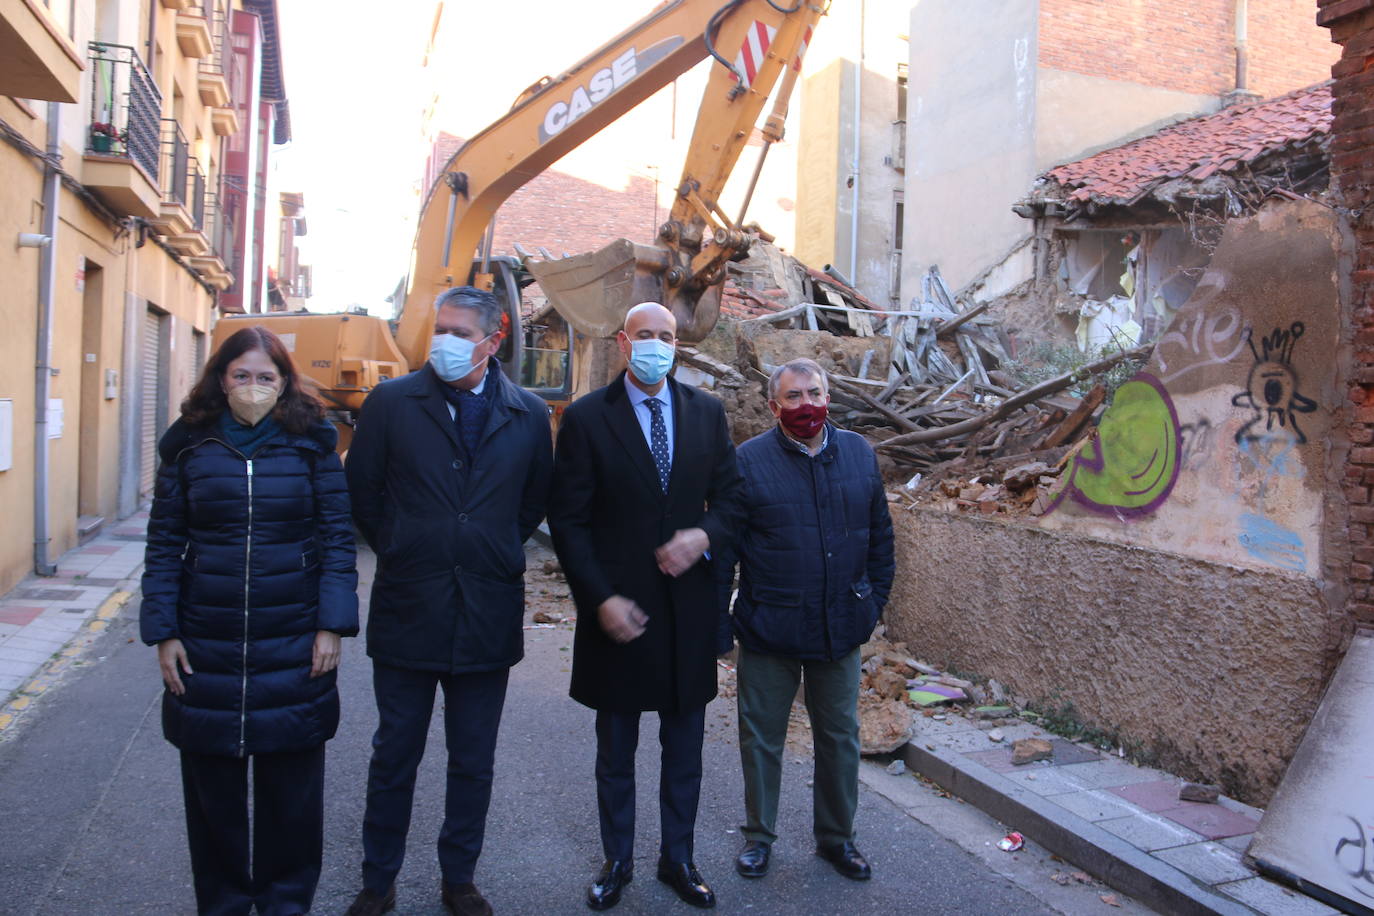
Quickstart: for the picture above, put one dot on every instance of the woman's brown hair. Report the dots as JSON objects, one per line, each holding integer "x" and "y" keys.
{"x": 297, "y": 410}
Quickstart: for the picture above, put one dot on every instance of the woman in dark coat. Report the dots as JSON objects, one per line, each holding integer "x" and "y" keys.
{"x": 249, "y": 582}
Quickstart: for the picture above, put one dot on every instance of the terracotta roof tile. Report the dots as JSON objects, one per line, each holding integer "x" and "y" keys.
{"x": 1196, "y": 148}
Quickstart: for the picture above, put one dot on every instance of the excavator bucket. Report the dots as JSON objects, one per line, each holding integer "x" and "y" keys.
{"x": 593, "y": 291}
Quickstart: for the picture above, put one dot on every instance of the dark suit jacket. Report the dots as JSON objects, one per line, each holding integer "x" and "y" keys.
{"x": 607, "y": 516}
{"x": 449, "y": 594}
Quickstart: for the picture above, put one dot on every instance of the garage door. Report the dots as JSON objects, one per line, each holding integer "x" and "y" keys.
{"x": 154, "y": 383}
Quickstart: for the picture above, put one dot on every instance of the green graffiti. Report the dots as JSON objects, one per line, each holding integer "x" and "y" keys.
{"x": 1132, "y": 465}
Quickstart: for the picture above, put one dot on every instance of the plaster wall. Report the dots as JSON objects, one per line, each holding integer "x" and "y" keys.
{"x": 823, "y": 150}
{"x": 859, "y": 42}
{"x": 1210, "y": 670}
{"x": 1226, "y": 452}
{"x": 1082, "y": 114}
{"x": 20, "y": 201}
{"x": 971, "y": 146}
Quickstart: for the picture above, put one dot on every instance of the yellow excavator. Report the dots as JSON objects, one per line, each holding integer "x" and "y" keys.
{"x": 757, "y": 47}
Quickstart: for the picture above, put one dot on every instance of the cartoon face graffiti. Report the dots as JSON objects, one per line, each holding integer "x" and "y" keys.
{"x": 1272, "y": 389}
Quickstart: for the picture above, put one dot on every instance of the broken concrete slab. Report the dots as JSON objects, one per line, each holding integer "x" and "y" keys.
{"x": 1029, "y": 750}
{"x": 1199, "y": 792}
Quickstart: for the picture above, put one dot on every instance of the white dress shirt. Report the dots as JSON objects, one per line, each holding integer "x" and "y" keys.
{"x": 645, "y": 415}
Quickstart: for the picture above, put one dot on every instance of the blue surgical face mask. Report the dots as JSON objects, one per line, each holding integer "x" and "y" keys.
{"x": 451, "y": 356}
{"x": 650, "y": 360}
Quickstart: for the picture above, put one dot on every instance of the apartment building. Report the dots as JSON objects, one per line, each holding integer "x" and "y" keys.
{"x": 914, "y": 157}
{"x": 135, "y": 139}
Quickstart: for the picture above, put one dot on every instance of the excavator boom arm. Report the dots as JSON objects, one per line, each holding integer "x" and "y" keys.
{"x": 754, "y": 41}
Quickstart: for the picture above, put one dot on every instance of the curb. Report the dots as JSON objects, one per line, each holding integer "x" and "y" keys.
{"x": 1103, "y": 855}
{"x": 21, "y": 698}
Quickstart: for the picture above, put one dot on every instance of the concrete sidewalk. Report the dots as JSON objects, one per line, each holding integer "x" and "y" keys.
{"x": 1121, "y": 823}
{"x": 45, "y": 619}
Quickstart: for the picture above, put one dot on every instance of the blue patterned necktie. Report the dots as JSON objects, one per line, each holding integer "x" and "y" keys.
{"x": 658, "y": 442}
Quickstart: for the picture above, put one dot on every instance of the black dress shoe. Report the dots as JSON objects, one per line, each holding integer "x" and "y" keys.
{"x": 371, "y": 903}
{"x": 753, "y": 862}
{"x": 605, "y": 890}
{"x": 463, "y": 900}
{"x": 684, "y": 878}
{"x": 847, "y": 860}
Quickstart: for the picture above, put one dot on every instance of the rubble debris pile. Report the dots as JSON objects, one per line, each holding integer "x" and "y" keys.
{"x": 932, "y": 386}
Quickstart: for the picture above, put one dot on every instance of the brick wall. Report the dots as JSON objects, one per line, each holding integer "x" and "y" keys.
{"x": 1352, "y": 178}
{"x": 1185, "y": 45}
{"x": 567, "y": 214}
{"x": 562, "y": 212}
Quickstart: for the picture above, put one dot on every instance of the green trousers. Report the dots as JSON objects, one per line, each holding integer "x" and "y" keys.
{"x": 767, "y": 685}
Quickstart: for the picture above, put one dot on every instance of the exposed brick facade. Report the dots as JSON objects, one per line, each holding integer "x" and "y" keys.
{"x": 1185, "y": 45}
{"x": 564, "y": 213}
{"x": 1352, "y": 178}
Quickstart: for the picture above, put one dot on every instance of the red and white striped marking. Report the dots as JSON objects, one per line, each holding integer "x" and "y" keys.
{"x": 806, "y": 40}
{"x": 751, "y": 53}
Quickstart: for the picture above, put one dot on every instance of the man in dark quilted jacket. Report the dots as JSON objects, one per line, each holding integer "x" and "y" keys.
{"x": 815, "y": 567}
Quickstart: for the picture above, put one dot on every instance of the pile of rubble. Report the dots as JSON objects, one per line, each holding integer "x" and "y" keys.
{"x": 931, "y": 386}
{"x": 896, "y": 687}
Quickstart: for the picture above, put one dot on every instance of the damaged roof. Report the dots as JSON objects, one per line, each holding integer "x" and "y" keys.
{"x": 1180, "y": 159}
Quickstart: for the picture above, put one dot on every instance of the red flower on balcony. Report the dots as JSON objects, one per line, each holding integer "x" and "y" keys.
{"x": 103, "y": 129}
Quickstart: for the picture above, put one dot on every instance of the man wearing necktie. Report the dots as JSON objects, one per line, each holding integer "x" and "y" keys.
{"x": 449, "y": 475}
{"x": 647, "y": 490}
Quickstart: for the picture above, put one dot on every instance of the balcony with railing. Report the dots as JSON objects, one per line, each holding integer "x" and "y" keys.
{"x": 179, "y": 170}
{"x": 195, "y": 240}
{"x": 122, "y": 154}
{"x": 193, "y": 33}
{"x": 36, "y": 59}
{"x": 213, "y": 72}
{"x": 211, "y": 263}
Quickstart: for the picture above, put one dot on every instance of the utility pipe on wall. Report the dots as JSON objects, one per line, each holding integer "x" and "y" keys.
{"x": 854, "y": 163}
{"x": 47, "y": 284}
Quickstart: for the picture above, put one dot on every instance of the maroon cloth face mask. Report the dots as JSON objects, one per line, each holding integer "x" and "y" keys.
{"x": 805, "y": 421}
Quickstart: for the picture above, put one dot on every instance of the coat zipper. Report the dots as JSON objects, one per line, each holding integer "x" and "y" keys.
{"x": 247, "y": 576}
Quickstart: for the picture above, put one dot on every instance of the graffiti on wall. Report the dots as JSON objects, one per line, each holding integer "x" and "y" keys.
{"x": 1130, "y": 468}
{"x": 1133, "y": 463}
{"x": 1355, "y": 856}
{"x": 1272, "y": 389}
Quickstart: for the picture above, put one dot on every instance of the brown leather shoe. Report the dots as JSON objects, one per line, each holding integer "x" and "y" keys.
{"x": 463, "y": 900}
{"x": 371, "y": 903}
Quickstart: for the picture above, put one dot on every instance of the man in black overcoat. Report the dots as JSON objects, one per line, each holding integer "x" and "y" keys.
{"x": 449, "y": 474}
{"x": 647, "y": 489}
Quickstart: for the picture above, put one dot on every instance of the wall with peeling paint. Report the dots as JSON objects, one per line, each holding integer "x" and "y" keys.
{"x": 1228, "y": 462}
{"x": 1179, "y": 592}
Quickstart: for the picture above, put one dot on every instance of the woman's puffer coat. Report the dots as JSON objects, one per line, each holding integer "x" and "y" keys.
{"x": 247, "y": 559}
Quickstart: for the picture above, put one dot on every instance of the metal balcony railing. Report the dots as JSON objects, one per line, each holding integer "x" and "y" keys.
{"x": 221, "y": 47}
{"x": 196, "y": 204}
{"x": 125, "y": 106}
{"x": 176, "y": 160}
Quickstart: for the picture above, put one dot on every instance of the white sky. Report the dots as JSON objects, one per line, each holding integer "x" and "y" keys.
{"x": 357, "y": 93}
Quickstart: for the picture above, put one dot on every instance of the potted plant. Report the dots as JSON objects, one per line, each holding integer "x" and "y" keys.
{"x": 104, "y": 135}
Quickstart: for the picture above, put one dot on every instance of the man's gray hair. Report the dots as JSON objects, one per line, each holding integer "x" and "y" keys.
{"x": 484, "y": 303}
{"x": 807, "y": 368}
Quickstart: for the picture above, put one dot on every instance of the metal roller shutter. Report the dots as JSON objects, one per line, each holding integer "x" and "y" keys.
{"x": 154, "y": 382}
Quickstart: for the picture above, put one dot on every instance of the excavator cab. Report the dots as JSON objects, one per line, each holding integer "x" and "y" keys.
{"x": 536, "y": 352}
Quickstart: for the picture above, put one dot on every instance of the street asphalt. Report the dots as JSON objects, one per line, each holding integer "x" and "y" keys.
{"x": 91, "y": 818}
